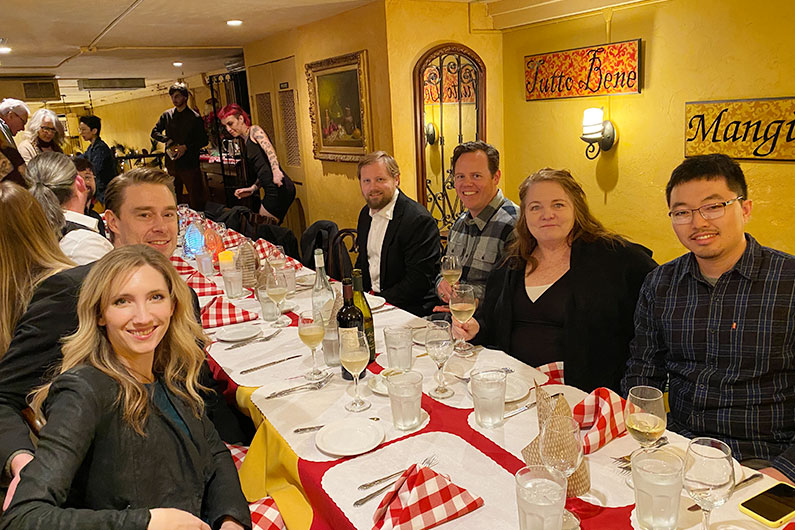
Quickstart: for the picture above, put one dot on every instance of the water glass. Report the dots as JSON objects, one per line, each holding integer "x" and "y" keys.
{"x": 540, "y": 497}
{"x": 405, "y": 396}
{"x": 439, "y": 344}
{"x": 204, "y": 262}
{"x": 233, "y": 283}
{"x": 657, "y": 478}
{"x": 709, "y": 474}
{"x": 488, "y": 393}
{"x": 399, "y": 342}
{"x": 270, "y": 311}
{"x": 331, "y": 346}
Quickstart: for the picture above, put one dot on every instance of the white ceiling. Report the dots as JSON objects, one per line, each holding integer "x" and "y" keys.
{"x": 141, "y": 38}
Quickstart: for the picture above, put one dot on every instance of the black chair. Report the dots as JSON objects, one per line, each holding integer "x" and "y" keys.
{"x": 340, "y": 264}
{"x": 320, "y": 235}
{"x": 279, "y": 235}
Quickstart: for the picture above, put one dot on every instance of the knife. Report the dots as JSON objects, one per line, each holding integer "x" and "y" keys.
{"x": 743, "y": 483}
{"x": 254, "y": 369}
{"x": 253, "y": 340}
{"x": 526, "y": 407}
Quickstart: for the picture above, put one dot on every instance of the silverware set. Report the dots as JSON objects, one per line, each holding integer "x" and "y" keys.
{"x": 313, "y": 428}
{"x": 314, "y": 385}
{"x": 271, "y": 363}
{"x": 429, "y": 461}
{"x": 624, "y": 463}
{"x": 253, "y": 340}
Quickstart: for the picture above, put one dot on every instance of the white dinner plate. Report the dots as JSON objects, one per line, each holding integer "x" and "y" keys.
{"x": 349, "y": 437}
{"x": 418, "y": 336}
{"x": 288, "y": 305}
{"x": 306, "y": 280}
{"x": 516, "y": 388}
{"x": 374, "y": 301}
{"x": 377, "y": 383}
{"x": 237, "y": 333}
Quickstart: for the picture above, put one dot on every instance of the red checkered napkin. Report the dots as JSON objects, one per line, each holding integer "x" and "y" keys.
{"x": 219, "y": 312}
{"x": 233, "y": 238}
{"x": 263, "y": 247}
{"x": 554, "y": 371}
{"x": 602, "y": 413}
{"x": 202, "y": 285}
{"x": 182, "y": 266}
{"x": 422, "y": 498}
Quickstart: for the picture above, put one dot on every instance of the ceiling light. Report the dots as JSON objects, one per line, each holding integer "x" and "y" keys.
{"x": 5, "y": 49}
{"x": 234, "y": 22}
{"x": 177, "y": 64}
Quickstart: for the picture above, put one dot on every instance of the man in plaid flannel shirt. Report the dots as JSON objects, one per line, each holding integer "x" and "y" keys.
{"x": 718, "y": 323}
{"x": 479, "y": 235}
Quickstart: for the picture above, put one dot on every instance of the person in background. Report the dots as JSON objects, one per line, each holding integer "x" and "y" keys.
{"x": 479, "y": 235}
{"x": 98, "y": 153}
{"x": 125, "y": 441}
{"x": 181, "y": 129}
{"x": 567, "y": 290}
{"x": 399, "y": 244}
{"x": 261, "y": 162}
{"x": 717, "y": 325}
{"x": 63, "y": 195}
{"x": 86, "y": 170}
{"x": 43, "y": 133}
{"x": 13, "y": 116}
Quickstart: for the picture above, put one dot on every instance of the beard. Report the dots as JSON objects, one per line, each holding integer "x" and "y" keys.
{"x": 376, "y": 203}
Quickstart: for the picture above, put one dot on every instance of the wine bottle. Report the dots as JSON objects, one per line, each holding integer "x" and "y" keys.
{"x": 349, "y": 321}
{"x": 322, "y": 294}
{"x": 360, "y": 301}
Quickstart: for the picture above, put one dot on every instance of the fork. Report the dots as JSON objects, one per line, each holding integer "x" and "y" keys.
{"x": 466, "y": 379}
{"x": 428, "y": 462}
{"x": 624, "y": 460}
{"x": 314, "y": 385}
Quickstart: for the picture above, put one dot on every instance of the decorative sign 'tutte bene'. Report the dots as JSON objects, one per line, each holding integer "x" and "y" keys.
{"x": 753, "y": 129}
{"x": 594, "y": 71}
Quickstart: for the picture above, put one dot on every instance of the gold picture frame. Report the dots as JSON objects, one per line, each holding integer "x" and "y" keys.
{"x": 339, "y": 99}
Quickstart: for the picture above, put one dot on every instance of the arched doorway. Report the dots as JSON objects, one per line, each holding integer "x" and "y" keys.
{"x": 450, "y": 108}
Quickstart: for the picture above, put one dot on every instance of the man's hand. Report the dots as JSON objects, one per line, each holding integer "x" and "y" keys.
{"x": 173, "y": 519}
{"x": 444, "y": 291}
{"x": 776, "y": 474}
{"x": 242, "y": 193}
{"x": 467, "y": 330}
{"x": 17, "y": 463}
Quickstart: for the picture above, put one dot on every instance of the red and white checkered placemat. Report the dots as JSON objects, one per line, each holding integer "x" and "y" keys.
{"x": 219, "y": 312}
{"x": 554, "y": 371}
{"x": 202, "y": 285}
{"x": 182, "y": 266}
{"x": 602, "y": 413}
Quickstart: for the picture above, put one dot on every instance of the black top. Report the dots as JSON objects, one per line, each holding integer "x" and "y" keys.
{"x": 186, "y": 128}
{"x": 277, "y": 199}
{"x": 537, "y": 330}
{"x": 104, "y": 163}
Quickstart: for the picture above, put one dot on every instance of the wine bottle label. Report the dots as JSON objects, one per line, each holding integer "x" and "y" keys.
{"x": 319, "y": 262}
{"x": 349, "y": 338}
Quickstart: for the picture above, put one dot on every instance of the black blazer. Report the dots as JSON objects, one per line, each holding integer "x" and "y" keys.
{"x": 92, "y": 470}
{"x": 35, "y": 350}
{"x": 410, "y": 256}
{"x": 605, "y": 282}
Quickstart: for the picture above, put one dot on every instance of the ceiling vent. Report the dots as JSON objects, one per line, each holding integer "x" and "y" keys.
{"x": 235, "y": 64}
{"x": 30, "y": 88}
{"x": 120, "y": 83}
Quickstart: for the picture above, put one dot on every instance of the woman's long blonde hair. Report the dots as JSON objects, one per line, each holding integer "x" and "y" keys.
{"x": 586, "y": 226}
{"x": 178, "y": 358}
{"x": 29, "y": 254}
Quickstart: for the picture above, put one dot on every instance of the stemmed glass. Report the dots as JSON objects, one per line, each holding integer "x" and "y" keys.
{"x": 709, "y": 474}
{"x": 462, "y": 306}
{"x": 276, "y": 257}
{"x": 561, "y": 449}
{"x": 644, "y": 416}
{"x": 311, "y": 332}
{"x": 354, "y": 356}
{"x": 276, "y": 288}
{"x": 439, "y": 343}
{"x": 451, "y": 269}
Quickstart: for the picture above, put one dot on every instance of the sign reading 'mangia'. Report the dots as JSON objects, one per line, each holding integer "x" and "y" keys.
{"x": 742, "y": 128}
{"x": 594, "y": 71}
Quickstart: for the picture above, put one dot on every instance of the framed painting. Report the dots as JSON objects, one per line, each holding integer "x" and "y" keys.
{"x": 339, "y": 107}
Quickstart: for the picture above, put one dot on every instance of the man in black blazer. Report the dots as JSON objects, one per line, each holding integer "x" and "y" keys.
{"x": 399, "y": 245}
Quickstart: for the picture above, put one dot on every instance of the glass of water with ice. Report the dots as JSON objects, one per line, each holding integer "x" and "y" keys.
{"x": 488, "y": 394}
{"x": 657, "y": 476}
{"x": 540, "y": 496}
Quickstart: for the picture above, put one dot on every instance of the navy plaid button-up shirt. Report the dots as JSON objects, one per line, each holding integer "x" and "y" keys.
{"x": 727, "y": 352}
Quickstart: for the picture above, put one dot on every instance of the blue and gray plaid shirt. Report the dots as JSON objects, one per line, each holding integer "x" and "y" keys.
{"x": 728, "y": 351}
{"x": 480, "y": 241}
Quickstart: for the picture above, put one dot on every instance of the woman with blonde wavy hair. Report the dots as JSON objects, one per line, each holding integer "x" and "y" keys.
{"x": 567, "y": 289}
{"x": 29, "y": 255}
{"x": 125, "y": 433}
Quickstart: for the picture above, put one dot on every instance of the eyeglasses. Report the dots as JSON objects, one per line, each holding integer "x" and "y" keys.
{"x": 48, "y": 129}
{"x": 708, "y": 211}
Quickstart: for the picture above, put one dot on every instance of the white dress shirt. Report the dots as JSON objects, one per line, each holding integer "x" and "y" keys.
{"x": 84, "y": 245}
{"x": 375, "y": 239}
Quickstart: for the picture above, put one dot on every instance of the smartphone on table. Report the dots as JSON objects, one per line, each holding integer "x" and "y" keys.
{"x": 773, "y": 507}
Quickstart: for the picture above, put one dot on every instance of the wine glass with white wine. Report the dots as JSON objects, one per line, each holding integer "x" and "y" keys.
{"x": 644, "y": 416}
{"x": 276, "y": 257}
{"x": 354, "y": 357}
{"x": 462, "y": 306}
{"x": 451, "y": 269}
{"x": 311, "y": 332}
{"x": 276, "y": 289}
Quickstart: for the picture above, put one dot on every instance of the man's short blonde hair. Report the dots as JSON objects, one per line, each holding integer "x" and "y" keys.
{"x": 379, "y": 156}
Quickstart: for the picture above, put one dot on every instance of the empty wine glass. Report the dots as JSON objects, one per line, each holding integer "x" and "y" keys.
{"x": 451, "y": 269}
{"x": 354, "y": 357}
{"x": 709, "y": 474}
{"x": 276, "y": 288}
{"x": 276, "y": 257}
{"x": 561, "y": 449}
{"x": 439, "y": 343}
{"x": 462, "y": 306}
{"x": 311, "y": 332}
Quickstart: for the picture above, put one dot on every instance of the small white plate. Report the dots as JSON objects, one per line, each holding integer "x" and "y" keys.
{"x": 418, "y": 336}
{"x": 288, "y": 305}
{"x": 306, "y": 280}
{"x": 377, "y": 383}
{"x": 238, "y": 333}
{"x": 516, "y": 388}
{"x": 374, "y": 301}
{"x": 349, "y": 437}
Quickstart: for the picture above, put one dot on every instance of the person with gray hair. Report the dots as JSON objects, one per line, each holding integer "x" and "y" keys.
{"x": 44, "y": 132}
{"x": 62, "y": 194}
{"x": 13, "y": 116}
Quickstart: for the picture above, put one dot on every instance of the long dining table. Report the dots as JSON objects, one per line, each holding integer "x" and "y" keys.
{"x": 316, "y": 490}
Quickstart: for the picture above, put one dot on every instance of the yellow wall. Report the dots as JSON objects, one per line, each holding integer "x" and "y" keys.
{"x": 693, "y": 51}
{"x": 332, "y": 189}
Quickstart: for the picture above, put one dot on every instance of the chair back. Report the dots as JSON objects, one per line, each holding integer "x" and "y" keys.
{"x": 319, "y": 235}
{"x": 342, "y": 254}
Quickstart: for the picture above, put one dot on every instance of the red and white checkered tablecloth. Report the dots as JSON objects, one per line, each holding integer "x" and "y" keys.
{"x": 203, "y": 287}
{"x": 263, "y": 247}
{"x": 220, "y": 312}
{"x": 264, "y": 513}
{"x": 182, "y": 266}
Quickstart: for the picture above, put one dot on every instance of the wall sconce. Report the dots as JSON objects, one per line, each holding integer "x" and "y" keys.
{"x": 598, "y": 133}
{"x": 430, "y": 133}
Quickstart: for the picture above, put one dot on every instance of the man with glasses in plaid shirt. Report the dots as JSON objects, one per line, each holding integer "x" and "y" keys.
{"x": 718, "y": 323}
{"x": 479, "y": 235}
